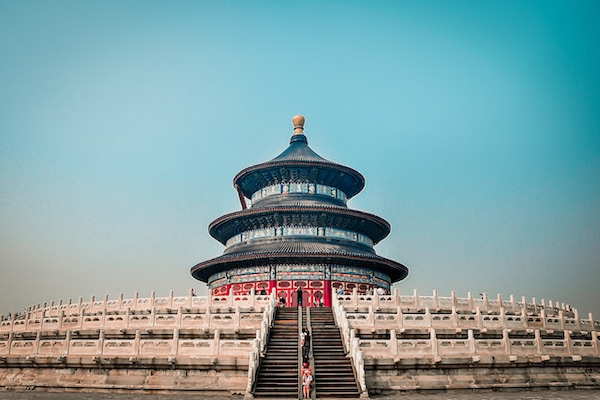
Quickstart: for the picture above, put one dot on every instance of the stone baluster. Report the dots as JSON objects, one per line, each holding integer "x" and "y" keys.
{"x": 470, "y": 300}
{"x": 454, "y": 317}
{"x": 577, "y": 319}
{"x": 434, "y": 346}
{"x": 503, "y": 317}
{"x": 12, "y": 321}
{"x": 263, "y": 339}
{"x": 153, "y": 299}
{"x": 208, "y": 314}
{"x": 471, "y": 339}
{"x": 101, "y": 338}
{"x": 544, "y": 304}
{"x": 27, "y": 328}
{"x": 136, "y": 297}
{"x": 416, "y": 304}
{"x": 190, "y": 297}
{"x": 120, "y": 302}
{"x": 103, "y": 318}
{"x": 10, "y": 340}
{"x": 595, "y": 343}
{"x": 179, "y": 317}
{"x": 176, "y": 340}
{"x": 209, "y": 298}
{"x": 216, "y": 343}
{"x": 478, "y": 318}
{"x": 36, "y": 344}
{"x": 543, "y": 317}
{"x": 428, "y": 316}
{"x": 399, "y": 317}
{"x": 137, "y": 342}
{"x": 152, "y": 316}
{"x": 561, "y": 317}
{"x": 253, "y": 297}
{"x": 236, "y": 319}
{"x": 506, "y": 342}
{"x": 127, "y": 317}
{"x": 568, "y": 342}
{"x": 512, "y": 303}
{"x": 538, "y": 342}
{"x": 80, "y": 306}
{"x": 393, "y": 343}
{"x": 170, "y": 300}
{"x": 252, "y": 366}
{"x": 345, "y": 329}
{"x": 371, "y": 319}
{"x": 453, "y": 299}
{"x": 486, "y": 302}
{"x": 435, "y": 301}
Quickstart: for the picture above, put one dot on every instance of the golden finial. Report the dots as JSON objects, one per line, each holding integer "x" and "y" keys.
{"x": 298, "y": 122}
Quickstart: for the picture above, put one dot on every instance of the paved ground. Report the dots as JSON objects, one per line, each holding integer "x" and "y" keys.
{"x": 482, "y": 395}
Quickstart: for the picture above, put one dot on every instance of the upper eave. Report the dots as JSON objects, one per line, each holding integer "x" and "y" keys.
{"x": 254, "y": 178}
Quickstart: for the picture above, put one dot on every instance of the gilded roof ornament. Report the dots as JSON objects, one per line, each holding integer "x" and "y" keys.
{"x": 298, "y": 122}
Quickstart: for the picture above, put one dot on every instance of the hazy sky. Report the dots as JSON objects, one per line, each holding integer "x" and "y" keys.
{"x": 475, "y": 123}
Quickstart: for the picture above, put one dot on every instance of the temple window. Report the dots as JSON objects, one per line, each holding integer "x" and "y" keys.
{"x": 299, "y": 187}
{"x": 294, "y": 231}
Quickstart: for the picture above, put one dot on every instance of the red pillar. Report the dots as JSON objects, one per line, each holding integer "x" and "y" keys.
{"x": 272, "y": 285}
{"x": 327, "y": 294}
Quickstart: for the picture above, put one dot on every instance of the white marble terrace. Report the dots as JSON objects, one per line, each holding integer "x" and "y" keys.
{"x": 174, "y": 327}
{"x": 434, "y": 328}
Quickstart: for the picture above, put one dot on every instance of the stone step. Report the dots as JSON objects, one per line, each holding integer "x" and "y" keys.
{"x": 278, "y": 375}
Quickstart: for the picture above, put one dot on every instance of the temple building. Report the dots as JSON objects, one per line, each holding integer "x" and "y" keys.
{"x": 298, "y": 232}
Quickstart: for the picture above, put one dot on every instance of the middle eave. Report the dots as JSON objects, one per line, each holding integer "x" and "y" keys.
{"x": 237, "y": 222}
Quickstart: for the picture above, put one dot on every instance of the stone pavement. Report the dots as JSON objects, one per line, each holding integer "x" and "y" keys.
{"x": 480, "y": 395}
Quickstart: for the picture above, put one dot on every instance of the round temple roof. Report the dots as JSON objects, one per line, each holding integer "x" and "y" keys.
{"x": 299, "y": 163}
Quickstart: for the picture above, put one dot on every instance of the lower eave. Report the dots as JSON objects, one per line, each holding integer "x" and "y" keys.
{"x": 204, "y": 270}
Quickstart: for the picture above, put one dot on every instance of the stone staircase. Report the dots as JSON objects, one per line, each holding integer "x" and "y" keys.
{"x": 278, "y": 374}
{"x": 333, "y": 372}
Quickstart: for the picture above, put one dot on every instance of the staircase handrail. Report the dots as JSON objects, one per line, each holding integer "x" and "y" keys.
{"x": 259, "y": 344}
{"x": 300, "y": 394}
{"x": 351, "y": 345}
{"x": 342, "y": 321}
{"x": 311, "y": 358}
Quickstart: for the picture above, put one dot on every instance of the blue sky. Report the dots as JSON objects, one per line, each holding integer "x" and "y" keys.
{"x": 476, "y": 125}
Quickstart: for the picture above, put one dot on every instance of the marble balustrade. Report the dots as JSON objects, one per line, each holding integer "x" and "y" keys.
{"x": 433, "y": 327}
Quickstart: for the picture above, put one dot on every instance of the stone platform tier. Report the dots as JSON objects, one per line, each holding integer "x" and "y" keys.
{"x": 214, "y": 343}
{"x": 404, "y": 342}
{"x": 173, "y": 344}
